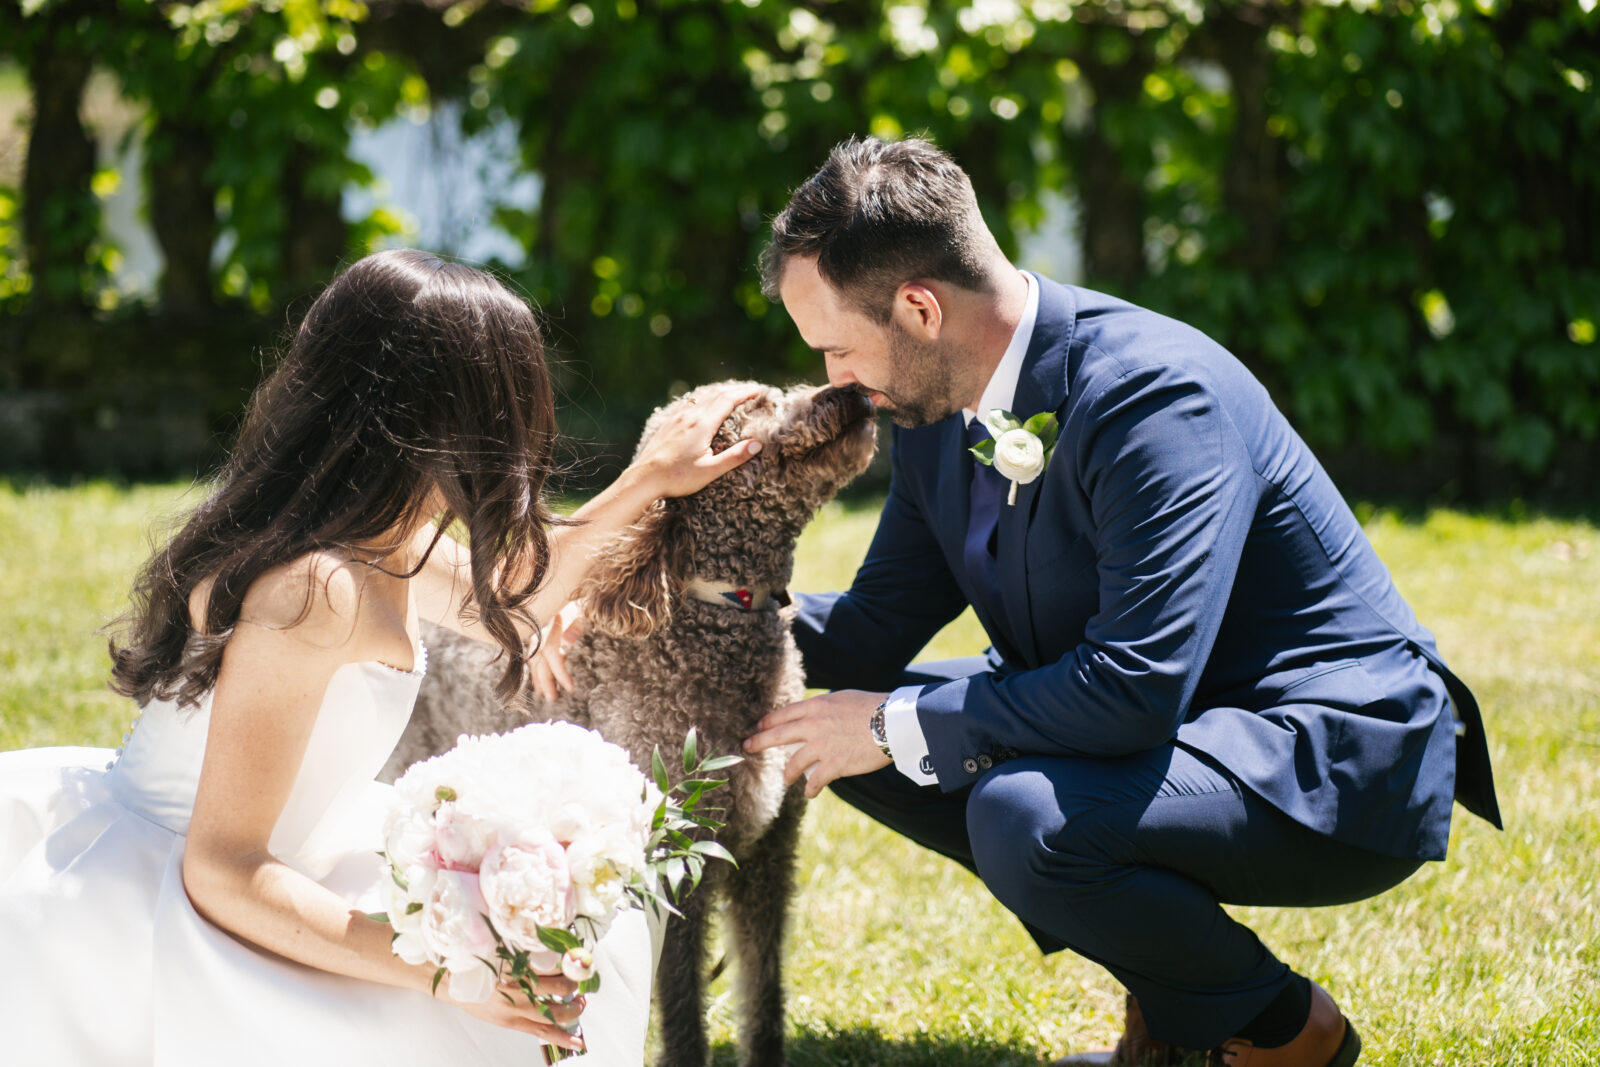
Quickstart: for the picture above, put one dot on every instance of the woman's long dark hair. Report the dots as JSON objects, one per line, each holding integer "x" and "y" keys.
{"x": 409, "y": 373}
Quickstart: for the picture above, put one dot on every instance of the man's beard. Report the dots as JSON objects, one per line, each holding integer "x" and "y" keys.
{"x": 922, "y": 380}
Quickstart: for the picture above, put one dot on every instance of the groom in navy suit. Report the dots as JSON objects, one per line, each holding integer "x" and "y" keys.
{"x": 1203, "y": 686}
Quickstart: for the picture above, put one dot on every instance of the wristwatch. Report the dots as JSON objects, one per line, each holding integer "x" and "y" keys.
{"x": 880, "y": 736}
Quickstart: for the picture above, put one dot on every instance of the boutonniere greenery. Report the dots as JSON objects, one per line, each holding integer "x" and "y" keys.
{"x": 1018, "y": 450}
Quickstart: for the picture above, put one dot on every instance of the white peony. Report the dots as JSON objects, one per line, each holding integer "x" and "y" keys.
{"x": 405, "y": 915}
{"x": 410, "y": 948}
{"x": 408, "y": 837}
{"x": 472, "y": 981}
{"x": 603, "y": 863}
{"x": 1019, "y": 456}
{"x": 526, "y": 885}
{"x": 454, "y": 932}
{"x": 419, "y": 787}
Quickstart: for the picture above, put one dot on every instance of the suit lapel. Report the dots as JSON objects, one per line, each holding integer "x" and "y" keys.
{"x": 1041, "y": 387}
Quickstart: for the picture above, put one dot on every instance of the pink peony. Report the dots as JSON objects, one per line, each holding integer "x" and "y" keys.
{"x": 526, "y": 885}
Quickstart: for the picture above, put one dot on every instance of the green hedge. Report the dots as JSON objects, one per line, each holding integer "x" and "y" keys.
{"x": 1388, "y": 209}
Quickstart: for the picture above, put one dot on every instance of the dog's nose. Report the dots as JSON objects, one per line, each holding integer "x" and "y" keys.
{"x": 848, "y": 400}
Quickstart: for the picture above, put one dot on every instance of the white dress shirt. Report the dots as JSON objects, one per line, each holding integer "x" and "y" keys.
{"x": 900, "y": 722}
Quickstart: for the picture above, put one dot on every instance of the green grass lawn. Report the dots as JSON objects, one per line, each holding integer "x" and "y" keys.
{"x": 899, "y": 958}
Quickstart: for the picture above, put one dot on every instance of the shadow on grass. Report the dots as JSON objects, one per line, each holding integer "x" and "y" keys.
{"x": 866, "y": 1047}
{"x": 863, "y": 1047}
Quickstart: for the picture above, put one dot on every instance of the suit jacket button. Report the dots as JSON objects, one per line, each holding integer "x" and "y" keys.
{"x": 984, "y": 763}
{"x": 969, "y": 765}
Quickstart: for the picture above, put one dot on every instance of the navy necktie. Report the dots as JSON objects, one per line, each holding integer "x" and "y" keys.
{"x": 988, "y": 489}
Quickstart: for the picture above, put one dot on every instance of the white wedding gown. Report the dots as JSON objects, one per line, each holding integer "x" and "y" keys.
{"x": 104, "y": 962}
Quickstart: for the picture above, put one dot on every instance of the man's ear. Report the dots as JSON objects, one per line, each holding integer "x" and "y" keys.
{"x": 631, "y": 585}
{"x": 918, "y": 311}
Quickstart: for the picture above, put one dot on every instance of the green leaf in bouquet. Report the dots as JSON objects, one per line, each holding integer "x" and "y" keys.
{"x": 691, "y": 751}
{"x": 674, "y": 872}
{"x": 590, "y": 984}
{"x": 413, "y": 907}
{"x": 438, "y": 976}
{"x": 658, "y": 771}
{"x": 378, "y": 916}
{"x": 558, "y": 940}
{"x": 717, "y": 763}
{"x": 713, "y": 849}
{"x": 444, "y": 794}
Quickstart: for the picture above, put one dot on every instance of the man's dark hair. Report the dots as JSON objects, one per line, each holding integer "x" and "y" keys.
{"x": 877, "y": 215}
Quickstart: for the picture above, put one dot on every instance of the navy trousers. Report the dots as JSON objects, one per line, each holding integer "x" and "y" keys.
{"x": 1127, "y": 861}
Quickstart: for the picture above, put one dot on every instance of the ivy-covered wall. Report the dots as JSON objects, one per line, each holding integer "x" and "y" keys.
{"x": 1388, "y": 208}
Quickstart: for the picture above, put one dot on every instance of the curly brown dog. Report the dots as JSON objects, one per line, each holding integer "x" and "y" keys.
{"x": 685, "y": 627}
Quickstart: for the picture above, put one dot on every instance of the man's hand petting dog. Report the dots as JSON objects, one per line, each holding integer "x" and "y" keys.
{"x": 832, "y": 732}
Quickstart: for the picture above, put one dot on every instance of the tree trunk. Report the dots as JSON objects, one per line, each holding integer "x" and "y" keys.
{"x": 60, "y": 218}
{"x": 1252, "y": 189}
{"x": 183, "y": 214}
{"x": 1113, "y": 199}
{"x": 315, "y": 236}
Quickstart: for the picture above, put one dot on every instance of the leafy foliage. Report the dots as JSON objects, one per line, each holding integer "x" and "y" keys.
{"x": 1386, "y": 207}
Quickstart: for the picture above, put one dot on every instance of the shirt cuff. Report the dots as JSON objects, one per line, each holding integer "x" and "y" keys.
{"x": 906, "y": 741}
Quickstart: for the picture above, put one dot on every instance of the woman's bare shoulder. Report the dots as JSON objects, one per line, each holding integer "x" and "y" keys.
{"x": 316, "y": 598}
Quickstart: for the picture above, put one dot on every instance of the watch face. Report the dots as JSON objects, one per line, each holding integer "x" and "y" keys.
{"x": 880, "y": 735}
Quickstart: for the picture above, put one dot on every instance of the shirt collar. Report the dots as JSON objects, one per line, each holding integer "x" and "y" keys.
{"x": 1001, "y": 392}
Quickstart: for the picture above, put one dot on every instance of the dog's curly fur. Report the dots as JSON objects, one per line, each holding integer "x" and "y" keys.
{"x": 655, "y": 661}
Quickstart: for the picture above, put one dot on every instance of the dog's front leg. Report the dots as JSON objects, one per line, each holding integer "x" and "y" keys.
{"x": 760, "y": 889}
{"x": 680, "y": 985}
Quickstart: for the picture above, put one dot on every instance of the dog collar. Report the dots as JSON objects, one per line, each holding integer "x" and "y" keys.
{"x": 743, "y": 597}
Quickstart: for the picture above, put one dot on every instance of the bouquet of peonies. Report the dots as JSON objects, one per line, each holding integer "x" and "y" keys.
{"x": 510, "y": 855}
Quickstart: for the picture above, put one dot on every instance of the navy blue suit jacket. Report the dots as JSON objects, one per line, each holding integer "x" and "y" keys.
{"x": 1183, "y": 570}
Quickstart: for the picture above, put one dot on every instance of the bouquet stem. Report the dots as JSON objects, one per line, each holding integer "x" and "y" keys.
{"x": 556, "y": 1053}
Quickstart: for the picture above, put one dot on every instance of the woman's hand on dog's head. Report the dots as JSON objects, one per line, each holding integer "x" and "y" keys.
{"x": 548, "y": 666}
{"x": 677, "y": 459}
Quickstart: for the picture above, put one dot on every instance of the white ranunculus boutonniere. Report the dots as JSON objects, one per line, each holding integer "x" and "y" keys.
{"x": 1018, "y": 450}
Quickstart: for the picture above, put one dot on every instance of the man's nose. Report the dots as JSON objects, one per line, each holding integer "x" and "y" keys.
{"x": 839, "y": 377}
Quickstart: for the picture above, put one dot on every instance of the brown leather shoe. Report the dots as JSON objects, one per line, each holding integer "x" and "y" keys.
{"x": 1136, "y": 1048}
{"x": 1327, "y": 1040}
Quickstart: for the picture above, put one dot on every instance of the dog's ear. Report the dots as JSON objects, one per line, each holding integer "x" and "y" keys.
{"x": 633, "y": 580}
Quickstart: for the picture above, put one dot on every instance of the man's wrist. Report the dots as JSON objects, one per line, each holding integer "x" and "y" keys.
{"x": 880, "y": 735}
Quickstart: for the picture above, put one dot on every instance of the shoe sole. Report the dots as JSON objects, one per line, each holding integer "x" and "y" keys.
{"x": 1349, "y": 1048}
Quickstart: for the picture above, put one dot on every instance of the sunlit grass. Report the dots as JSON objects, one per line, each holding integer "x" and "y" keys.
{"x": 899, "y": 958}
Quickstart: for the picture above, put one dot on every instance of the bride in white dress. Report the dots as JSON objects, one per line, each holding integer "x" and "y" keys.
{"x": 196, "y": 898}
